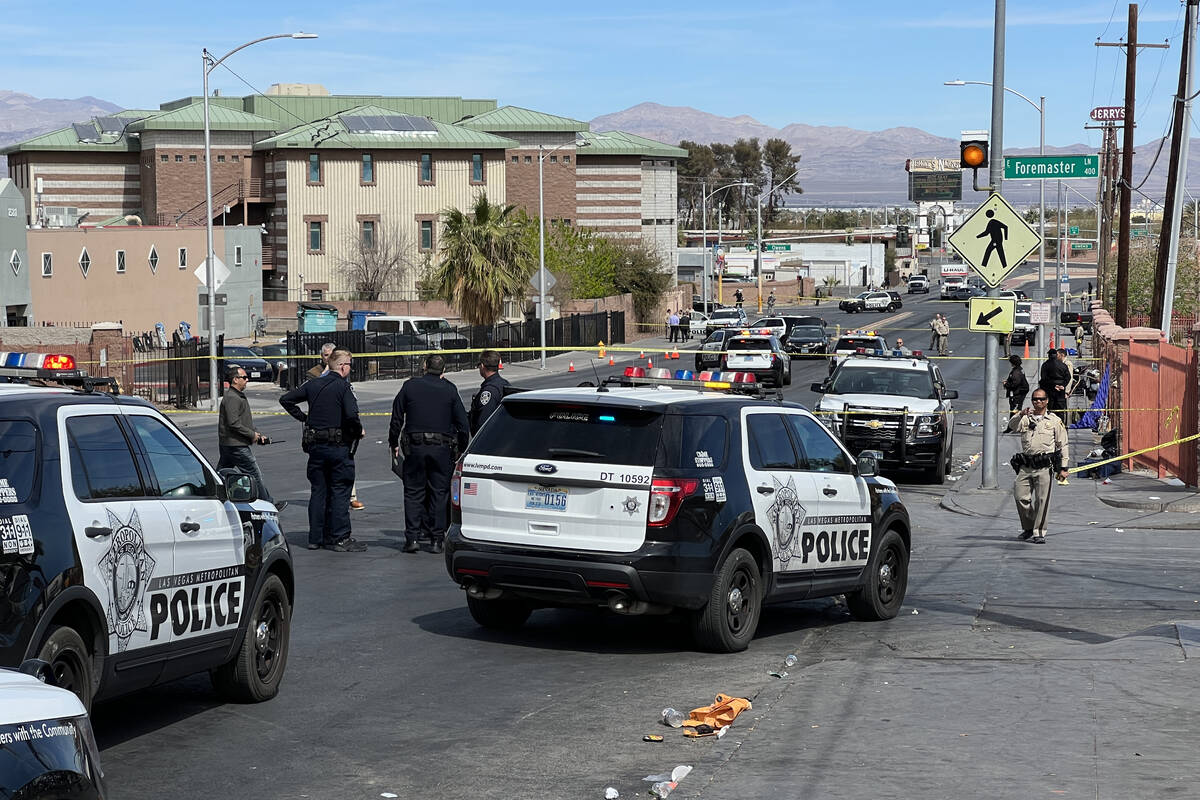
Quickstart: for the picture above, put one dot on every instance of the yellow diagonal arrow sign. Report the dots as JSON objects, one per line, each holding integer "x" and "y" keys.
{"x": 991, "y": 314}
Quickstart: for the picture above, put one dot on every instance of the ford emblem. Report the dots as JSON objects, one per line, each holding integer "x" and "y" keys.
{"x": 547, "y": 469}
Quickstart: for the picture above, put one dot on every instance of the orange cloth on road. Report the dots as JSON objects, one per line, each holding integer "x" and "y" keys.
{"x": 721, "y": 713}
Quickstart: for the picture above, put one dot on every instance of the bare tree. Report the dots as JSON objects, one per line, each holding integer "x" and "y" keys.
{"x": 376, "y": 259}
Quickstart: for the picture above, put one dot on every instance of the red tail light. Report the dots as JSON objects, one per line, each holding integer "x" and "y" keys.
{"x": 58, "y": 362}
{"x": 456, "y": 485}
{"x": 666, "y": 496}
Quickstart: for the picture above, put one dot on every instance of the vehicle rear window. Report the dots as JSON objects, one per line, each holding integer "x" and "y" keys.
{"x": 383, "y": 325}
{"x": 855, "y": 342}
{"x": 18, "y": 460}
{"x": 748, "y": 344}
{"x": 571, "y": 432}
{"x": 694, "y": 441}
{"x": 806, "y": 331}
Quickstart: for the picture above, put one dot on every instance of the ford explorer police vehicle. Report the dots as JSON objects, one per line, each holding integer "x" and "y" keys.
{"x": 760, "y": 354}
{"x": 676, "y": 497}
{"x": 125, "y": 560}
{"x": 47, "y": 749}
{"x": 896, "y": 404}
{"x": 853, "y": 341}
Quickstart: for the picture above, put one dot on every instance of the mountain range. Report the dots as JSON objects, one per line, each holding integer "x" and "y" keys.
{"x": 839, "y": 165}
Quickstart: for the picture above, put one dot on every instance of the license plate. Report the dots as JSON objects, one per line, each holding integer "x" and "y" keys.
{"x": 546, "y": 499}
{"x": 254, "y": 374}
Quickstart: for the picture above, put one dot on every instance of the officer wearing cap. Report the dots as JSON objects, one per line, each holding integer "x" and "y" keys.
{"x": 429, "y": 425}
{"x": 491, "y": 392}
{"x": 331, "y": 433}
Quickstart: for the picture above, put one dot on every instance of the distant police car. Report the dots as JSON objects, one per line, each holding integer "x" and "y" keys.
{"x": 896, "y": 404}
{"x": 871, "y": 301}
{"x": 761, "y": 354}
{"x": 652, "y": 499}
{"x": 47, "y": 749}
{"x": 854, "y": 341}
{"x": 125, "y": 560}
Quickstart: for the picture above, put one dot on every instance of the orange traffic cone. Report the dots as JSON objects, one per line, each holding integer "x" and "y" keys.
{"x": 642, "y": 354}
{"x": 571, "y": 368}
{"x": 649, "y": 363}
{"x": 666, "y": 355}
{"x": 1027, "y": 349}
{"x": 1051, "y": 338}
{"x": 675, "y": 353}
{"x": 501, "y": 365}
{"x": 612, "y": 362}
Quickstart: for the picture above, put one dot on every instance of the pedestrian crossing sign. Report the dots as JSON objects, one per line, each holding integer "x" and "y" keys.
{"x": 994, "y": 240}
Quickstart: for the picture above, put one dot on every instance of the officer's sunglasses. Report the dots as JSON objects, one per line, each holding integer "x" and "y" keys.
{"x": 1040, "y": 399}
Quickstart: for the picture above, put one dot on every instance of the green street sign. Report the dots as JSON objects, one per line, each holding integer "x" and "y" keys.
{"x": 1073, "y": 230}
{"x": 1082, "y": 245}
{"x": 1137, "y": 233}
{"x": 1051, "y": 167}
{"x": 777, "y": 247}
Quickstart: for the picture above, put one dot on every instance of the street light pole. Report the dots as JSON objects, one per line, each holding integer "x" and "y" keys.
{"x": 209, "y": 64}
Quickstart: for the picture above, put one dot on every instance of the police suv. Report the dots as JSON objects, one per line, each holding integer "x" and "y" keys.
{"x": 674, "y": 497}
{"x": 896, "y": 404}
{"x": 854, "y": 341}
{"x": 125, "y": 560}
{"x": 758, "y": 353}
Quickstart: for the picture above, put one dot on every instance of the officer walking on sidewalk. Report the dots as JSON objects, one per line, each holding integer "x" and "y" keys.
{"x": 491, "y": 392}
{"x": 331, "y": 433}
{"x": 1043, "y": 457}
{"x": 428, "y": 423}
{"x": 235, "y": 432}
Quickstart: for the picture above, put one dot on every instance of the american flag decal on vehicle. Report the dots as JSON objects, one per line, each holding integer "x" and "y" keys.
{"x": 470, "y": 488}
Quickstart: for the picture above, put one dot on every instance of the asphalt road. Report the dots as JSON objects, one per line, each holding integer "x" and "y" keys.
{"x": 392, "y": 688}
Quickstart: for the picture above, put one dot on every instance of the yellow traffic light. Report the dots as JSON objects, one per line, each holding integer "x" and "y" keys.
{"x": 973, "y": 154}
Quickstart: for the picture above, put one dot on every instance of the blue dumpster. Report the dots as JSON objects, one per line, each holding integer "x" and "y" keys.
{"x": 317, "y": 317}
{"x": 358, "y": 319}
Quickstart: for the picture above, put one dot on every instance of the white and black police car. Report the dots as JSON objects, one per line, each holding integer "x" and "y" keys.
{"x": 676, "y": 496}
{"x": 125, "y": 559}
{"x": 47, "y": 749}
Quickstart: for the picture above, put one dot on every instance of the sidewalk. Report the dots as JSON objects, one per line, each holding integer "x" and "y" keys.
{"x": 1165, "y": 506}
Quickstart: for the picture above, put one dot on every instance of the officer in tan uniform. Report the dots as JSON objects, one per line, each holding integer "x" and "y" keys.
{"x": 1043, "y": 457}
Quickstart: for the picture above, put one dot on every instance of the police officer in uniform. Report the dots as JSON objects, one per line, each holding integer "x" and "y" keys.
{"x": 429, "y": 426}
{"x": 491, "y": 392}
{"x": 1043, "y": 457}
{"x": 331, "y": 433}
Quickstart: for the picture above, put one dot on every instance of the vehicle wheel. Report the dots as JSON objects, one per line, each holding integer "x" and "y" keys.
{"x": 891, "y": 307}
{"x": 505, "y": 614}
{"x": 728, "y": 622}
{"x": 937, "y": 475}
{"x": 787, "y": 374}
{"x": 886, "y": 581}
{"x": 254, "y": 674}
{"x": 70, "y": 662}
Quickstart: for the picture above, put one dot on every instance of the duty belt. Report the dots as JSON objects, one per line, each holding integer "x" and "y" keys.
{"x": 416, "y": 439}
{"x": 322, "y": 435}
{"x": 1037, "y": 460}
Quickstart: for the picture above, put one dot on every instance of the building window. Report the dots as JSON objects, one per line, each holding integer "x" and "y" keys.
{"x": 14, "y": 261}
{"x": 120, "y": 262}
{"x": 426, "y": 235}
{"x": 516, "y": 159}
{"x": 237, "y": 256}
{"x": 220, "y": 159}
{"x": 368, "y": 168}
{"x": 368, "y": 233}
{"x": 553, "y": 159}
{"x": 192, "y": 159}
{"x": 85, "y": 262}
{"x": 178, "y": 158}
{"x": 235, "y": 159}
{"x": 316, "y": 294}
{"x": 153, "y": 259}
{"x": 528, "y": 159}
{"x": 314, "y": 168}
{"x": 164, "y": 158}
{"x": 426, "y": 168}
{"x": 476, "y": 167}
{"x": 566, "y": 159}
{"x": 47, "y": 265}
{"x": 314, "y": 237}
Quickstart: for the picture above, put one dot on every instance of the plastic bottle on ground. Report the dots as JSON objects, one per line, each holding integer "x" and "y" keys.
{"x": 790, "y": 661}
{"x": 672, "y": 718}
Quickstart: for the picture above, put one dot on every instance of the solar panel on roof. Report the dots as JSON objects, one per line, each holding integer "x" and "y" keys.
{"x": 86, "y": 132}
{"x": 111, "y": 124}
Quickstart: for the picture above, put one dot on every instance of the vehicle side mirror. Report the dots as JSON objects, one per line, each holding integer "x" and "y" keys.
{"x": 950, "y": 394}
{"x": 868, "y": 462}
{"x": 239, "y": 488}
{"x": 38, "y": 669}
{"x": 818, "y": 387}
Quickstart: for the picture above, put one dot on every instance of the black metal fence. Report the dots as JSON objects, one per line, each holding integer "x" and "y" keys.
{"x": 170, "y": 375}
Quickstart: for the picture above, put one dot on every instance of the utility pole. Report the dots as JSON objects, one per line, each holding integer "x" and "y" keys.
{"x": 1165, "y": 291}
{"x": 991, "y": 370}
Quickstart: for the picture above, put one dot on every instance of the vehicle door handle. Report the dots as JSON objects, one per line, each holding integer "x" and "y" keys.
{"x": 189, "y": 527}
{"x": 829, "y": 492}
{"x": 766, "y": 490}
{"x": 95, "y": 531}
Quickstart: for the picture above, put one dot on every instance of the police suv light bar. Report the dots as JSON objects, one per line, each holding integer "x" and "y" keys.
{"x": 51, "y": 367}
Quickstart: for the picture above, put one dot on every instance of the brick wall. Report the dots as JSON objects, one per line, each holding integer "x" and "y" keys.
{"x": 558, "y": 180}
{"x": 87, "y": 347}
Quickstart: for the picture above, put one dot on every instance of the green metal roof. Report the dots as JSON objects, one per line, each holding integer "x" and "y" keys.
{"x": 619, "y": 143}
{"x": 191, "y": 118}
{"x": 291, "y": 110}
{"x": 515, "y": 118}
{"x": 332, "y": 134}
{"x": 66, "y": 140}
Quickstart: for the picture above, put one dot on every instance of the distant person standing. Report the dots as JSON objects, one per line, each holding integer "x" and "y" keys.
{"x": 1053, "y": 379}
{"x": 1016, "y": 385}
{"x": 673, "y": 326}
{"x": 685, "y": 325}
{"x": 491, "y": 391}
{"x": 771, "y": 302}
{"x": 320, "y": 369}
{"x": 235, "y": 432}
{"x": 738, "y": 297}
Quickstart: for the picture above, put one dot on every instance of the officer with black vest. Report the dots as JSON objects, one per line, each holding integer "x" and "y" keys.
{"x": 429, "y": 425}
{"x": 331, "y": 433}
{"x": 491, "y": 392}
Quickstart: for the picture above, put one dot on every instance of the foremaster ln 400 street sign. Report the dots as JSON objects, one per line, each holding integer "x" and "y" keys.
{"x": 994, "y": 240}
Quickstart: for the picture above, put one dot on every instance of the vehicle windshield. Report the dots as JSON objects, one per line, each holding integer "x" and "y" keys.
{"x": 872, "y": 380}
{"x": 768, "y": 322}
{"x": 725, "y": 315}
{"x": 433, "y": 326}
{"x": 806, "y": 332}
{"x": 865, "y": 342}
{"x": 275, "y": 350}
{"x": 241, "y": 352}
{"x": 748, "y": 344}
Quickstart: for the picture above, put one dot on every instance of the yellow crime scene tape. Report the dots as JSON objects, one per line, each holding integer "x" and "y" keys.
{"x": 1125, "y": 456}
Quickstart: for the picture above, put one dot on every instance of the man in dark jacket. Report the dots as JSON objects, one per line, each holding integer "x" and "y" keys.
{"x": 235, "y": 432}
{"x": 331, "y": 426}
{"x": 1055, "y": 376}
{"x": 429, "y": 425}
{"x": 1016, "y": 385}
{"x": 491, "y": 391}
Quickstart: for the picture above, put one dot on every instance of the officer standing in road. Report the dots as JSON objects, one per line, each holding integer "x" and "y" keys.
{"x": 1043, "y": 457}
{"x": 331, "y": 433}
{"x": 428, "y": 424}
{"x": 491, "y": 392}
{"x": 235, "y": 431}
{"x": 1053, "y": 380}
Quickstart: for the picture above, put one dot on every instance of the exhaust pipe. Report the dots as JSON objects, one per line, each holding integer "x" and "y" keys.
{"x": 483, "y": 593}
{"x": 621, "y": 603}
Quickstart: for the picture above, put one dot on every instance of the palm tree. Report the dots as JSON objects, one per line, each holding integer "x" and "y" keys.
{"x": 484, "y": 259}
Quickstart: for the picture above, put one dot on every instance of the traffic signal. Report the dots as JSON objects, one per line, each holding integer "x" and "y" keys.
{"x": 902, "y": 239}
{"x": 973, "y": 153}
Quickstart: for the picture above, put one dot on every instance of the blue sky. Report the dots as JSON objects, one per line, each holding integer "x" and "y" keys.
{"x": 868, "y": 64}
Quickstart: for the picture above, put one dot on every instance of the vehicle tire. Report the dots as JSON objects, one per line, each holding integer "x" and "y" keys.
{"x": 891, "y": 307}
{"x": 255, "y": 672}
{"x": 787, "y": 374}
{"x": 886, "y": 581}
{"x": 937, "y": 474}
{"x": 70, "y": 662}
{"x": 505, "y": 614}
{"x": 728, "y": 622}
